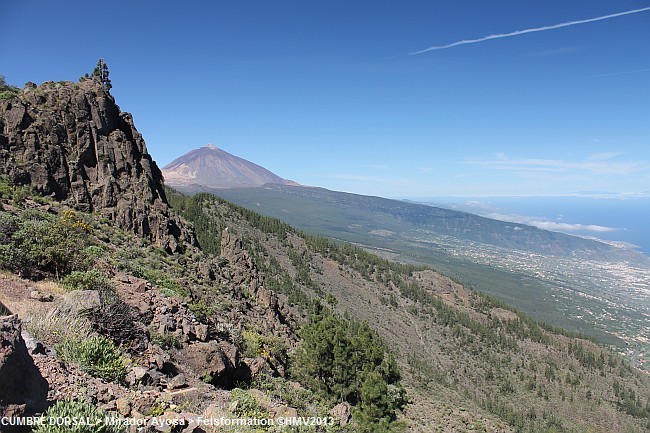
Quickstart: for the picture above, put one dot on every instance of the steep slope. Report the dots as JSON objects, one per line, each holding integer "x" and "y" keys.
{"x": 579, "y": 284}
{"x": 149, "y": 333}
{"x": 470, "y": 362}
{"x": 70, "y": 141}
{"x": 212, "y": 167}
{"x": 143, "y": 322}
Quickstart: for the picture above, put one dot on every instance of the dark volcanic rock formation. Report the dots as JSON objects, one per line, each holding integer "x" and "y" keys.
{"x": 23, "y": 391}
{"x": 70, "y": 141}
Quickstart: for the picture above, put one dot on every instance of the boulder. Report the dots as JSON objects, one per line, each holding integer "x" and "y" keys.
{"x": 177, "y": 382}
{"x": 258, "y": 366}
{"x": 4, "y": 311}
{"x": 214, "y": 362}
{"x": 202, "y": 332}
{"x": 36, "y": 347}
{"x": 185, "y": 397}
{"x": 123, "y": 406}
{"x": 188, "y": 330}
{"x": 285, "y": 412}
{"x": 40, "y": 296}
{"x": 24, "y": 390}
{"x": 141, "y": 376}
{"x": 80, "y": 301}
{"x": 342, "y": 413}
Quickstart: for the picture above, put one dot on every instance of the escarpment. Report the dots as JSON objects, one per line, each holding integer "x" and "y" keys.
{"x": 70, "y": 141}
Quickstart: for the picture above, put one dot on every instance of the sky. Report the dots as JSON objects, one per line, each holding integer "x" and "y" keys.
{"x": 389, "y": 98}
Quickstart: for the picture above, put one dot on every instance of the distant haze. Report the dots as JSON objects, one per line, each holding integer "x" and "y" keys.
{"x": 612, "y": 219}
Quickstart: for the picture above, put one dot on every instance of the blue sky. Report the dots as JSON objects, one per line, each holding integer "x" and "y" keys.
{"x": 329, "y": 94}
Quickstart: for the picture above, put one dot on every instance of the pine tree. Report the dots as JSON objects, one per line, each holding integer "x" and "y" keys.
{"x": 346, "y": 361}
{"x": 101, "y": 71}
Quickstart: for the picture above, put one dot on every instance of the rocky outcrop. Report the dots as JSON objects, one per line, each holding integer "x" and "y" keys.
{"x": 71, "y": 141}
{"x": 233, "y": 250}
{"x": 216, "y": 362}
{"x": 342, "y": 413}
{"x": 23, "y": 391}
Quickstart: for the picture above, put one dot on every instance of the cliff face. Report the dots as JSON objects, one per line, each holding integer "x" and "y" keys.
{"x": 71, "y": 141}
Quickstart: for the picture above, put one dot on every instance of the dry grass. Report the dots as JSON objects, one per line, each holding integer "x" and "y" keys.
{"x": 15, "y": 291}
{"x": 44, "y": 320}
{"x": 53, "y": 325}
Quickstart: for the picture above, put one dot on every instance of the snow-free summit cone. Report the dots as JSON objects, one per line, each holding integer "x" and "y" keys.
{"x": 211, "y": 167}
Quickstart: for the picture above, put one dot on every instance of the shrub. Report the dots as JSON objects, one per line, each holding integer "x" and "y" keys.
{"x": 97, "y": 356}
{"x": 168, "y": 285}
{"x": 118, "y": 321}
{"x": 171, "y": 287}
{"x": 9, "y": 224}
{"x": 86, "y": 280}
{"x": 273, "y": 349}
{"x": 95, "y": 251}
{"x": 40, "y": 244}
{"x": 166, "y": 339}
{"x": 8, "y": 94}
{"x": 281, "y": 389}
{"x": 246, "y": 405}
{"x": 203, "y": 310}
{"x": 127, "y": 265}
{"x": 92, "y": 280}
{"x": 80, "y": 410}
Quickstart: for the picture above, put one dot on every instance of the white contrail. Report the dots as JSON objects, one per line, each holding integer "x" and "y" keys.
{"x": 522, "y": 32}
{"x": 613, "y": 74}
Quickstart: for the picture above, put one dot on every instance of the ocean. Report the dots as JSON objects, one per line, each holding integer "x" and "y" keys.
{"x": 622, "y": 220}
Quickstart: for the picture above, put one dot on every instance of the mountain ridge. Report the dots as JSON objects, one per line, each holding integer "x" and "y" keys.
{"x": 558, "y": 278}
{"x": 215, "y": 168}
{"x": 461, "y": 223}
{"x": 256, "y": 319}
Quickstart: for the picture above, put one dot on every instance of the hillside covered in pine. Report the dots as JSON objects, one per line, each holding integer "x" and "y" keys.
{"x": 120, "y": 296}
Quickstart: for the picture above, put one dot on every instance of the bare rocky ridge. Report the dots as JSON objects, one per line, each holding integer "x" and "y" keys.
{"x": 71, "y": 141}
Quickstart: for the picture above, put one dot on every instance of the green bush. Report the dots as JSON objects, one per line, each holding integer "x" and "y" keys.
{"x": 168, "y": 285}
{"x": 92, "y": 280}
{"x": 166, "y": 340}
{"x": 273, "y": 349}
{"x": 127, "y": 265}
{"x": 282, "y": 389}
{"x": 95, "y": 251}
{"x": 80, "y": 410}
{"x": 86, "y": 280}
{"x": 246, "y": 405}
{"x": 96, "y": 355}
{"x": 39, "y": 244}
{"x": 171, "y": 287}
{"x": 8, "y": 94}
{"x": 203, "y": 310}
